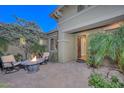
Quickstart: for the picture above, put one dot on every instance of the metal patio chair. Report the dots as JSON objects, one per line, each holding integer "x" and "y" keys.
{"x": 9, "y": 64}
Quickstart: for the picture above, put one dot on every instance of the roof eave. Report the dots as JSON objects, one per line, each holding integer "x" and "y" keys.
{"x": 57, "y": 9}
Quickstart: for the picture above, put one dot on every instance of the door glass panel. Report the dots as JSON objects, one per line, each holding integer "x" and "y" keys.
{"x": 83, "y": 45}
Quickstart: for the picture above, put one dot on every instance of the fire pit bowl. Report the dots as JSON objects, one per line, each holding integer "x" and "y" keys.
{"x": 31, "y": 65}
{"x": 32, "y": 68}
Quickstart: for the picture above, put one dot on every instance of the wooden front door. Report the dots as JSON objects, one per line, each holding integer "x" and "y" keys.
{"x": 82, "y": 47}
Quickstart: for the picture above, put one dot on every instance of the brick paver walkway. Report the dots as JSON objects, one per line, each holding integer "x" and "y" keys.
{"x": 52, "y": 75}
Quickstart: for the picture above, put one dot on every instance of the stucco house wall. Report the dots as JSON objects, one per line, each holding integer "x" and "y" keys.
{"x": 91, "y": 17}
{"x": 66, "y": 47}
{"x": 69, "y": 10}
{"x": 72, "y": 24}
{"x": 15, "y": 50}
{"x": 53, "y": 53}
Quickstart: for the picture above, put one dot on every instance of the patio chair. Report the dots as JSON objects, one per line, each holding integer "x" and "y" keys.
{"x": 9, "y": 64}
{"x": 44, "y": 58}
{"x": 0, "y": 64}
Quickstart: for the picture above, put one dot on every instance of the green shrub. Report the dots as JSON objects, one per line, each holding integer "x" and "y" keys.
{"x": 37, "y": 48}
{"x": 3, "y": 85}
{"x": 18, "y": 57}
{"x": 98, "y": 81}
{"x": 98, "y": 47}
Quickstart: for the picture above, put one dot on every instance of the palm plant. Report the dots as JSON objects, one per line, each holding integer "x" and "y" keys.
{"x": 98, "y": 47}
{"x": 107, "y": 44}
{"x": 119, "y": 39}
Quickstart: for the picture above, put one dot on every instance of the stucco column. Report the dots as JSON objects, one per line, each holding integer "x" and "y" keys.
{"x": 66, "y": 47}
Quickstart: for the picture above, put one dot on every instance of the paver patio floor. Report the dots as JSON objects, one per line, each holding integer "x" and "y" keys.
{"x": 52, "y": 75}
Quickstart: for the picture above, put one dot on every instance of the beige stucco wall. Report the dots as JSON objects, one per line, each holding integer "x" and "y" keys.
{"x": 73, "y": 21}
{"x": 66, "y": 47}
{"x": 68, "y": 11}
{"x": 94, "y": 16}
{"x": 15, "y": 50}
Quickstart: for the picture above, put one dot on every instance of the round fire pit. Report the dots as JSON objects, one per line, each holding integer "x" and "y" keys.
{"x": 30, "y": 66}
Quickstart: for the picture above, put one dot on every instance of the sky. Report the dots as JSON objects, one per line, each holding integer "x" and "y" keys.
{"x": 37, "y": 13}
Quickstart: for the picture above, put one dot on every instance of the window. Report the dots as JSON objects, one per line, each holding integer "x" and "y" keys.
{"x": 52, "y": 44}
{"x": 56, "y": 44}
{"x": 80, "y": 8}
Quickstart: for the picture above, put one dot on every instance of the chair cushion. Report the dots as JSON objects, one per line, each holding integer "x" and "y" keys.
{"x": 46, "y": 55}
{"x": 9, "y": 58}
